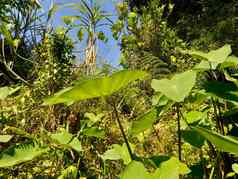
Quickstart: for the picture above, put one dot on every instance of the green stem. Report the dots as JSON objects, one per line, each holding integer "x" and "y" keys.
{"x": 179, "y": 133}
{"x": 123, "y": 133}
{"x": 212, "y": 172}
{"x": 217, "y": 116}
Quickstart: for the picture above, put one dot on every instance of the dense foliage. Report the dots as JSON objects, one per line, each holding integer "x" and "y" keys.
{"x": 169, "y": 112}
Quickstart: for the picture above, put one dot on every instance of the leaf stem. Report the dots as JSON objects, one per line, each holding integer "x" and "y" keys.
{"x": 122, "y": 131}
{"x": 179, "y": 133}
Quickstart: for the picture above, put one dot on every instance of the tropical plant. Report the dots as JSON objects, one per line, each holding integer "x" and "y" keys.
{"x": 92, "y": 19}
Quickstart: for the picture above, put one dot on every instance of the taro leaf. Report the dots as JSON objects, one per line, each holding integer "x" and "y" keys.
{"x": 224, "y": 143}
{"x": 193, "y": 138}
{"x": 96, "y": 87}
{"x": 20, "y": 154}
{"x": 144, "y": 122}
{"x": 67, "y": 140}
{"x": 94, "y": 132}
{"x": 118, "y": 152}
{"x": 171, "y": 169}
{"x": 5, "y": 138}
{"x": 178, "y": 87}
{"x": 135, "y": 170}
{"x": 224, "y": 90}
{"x": 216, "y": 56}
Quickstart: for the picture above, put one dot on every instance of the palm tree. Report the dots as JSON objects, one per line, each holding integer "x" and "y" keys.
{"x": 92, "y": 18}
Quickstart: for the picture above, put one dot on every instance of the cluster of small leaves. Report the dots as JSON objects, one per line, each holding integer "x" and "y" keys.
{"x": 146, "y": 39}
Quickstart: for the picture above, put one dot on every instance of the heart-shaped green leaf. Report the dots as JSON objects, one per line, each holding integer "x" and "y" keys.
{"x": 178, "y": 87}
{"x": 217, "y": 56}
{"x": 96, "y": 87}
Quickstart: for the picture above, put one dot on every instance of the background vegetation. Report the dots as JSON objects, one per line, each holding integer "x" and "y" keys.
{"x": 168, "y": 112}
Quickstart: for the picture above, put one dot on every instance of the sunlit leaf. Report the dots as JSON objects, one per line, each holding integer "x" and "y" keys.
{"x": 178, "y": 87}
{"x": 216, "y": 56}
{"x": 96, "y": 87}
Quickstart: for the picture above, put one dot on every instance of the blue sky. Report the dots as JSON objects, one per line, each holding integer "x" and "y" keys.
{"x": 109, "y": 52}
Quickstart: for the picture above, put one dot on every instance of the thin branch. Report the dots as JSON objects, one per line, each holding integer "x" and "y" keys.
{"x": 8, "y": 68}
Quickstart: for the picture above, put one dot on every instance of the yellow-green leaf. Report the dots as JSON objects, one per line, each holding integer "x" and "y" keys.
{"x": 176, "y": 88}
{"x": 94, "y": 88}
